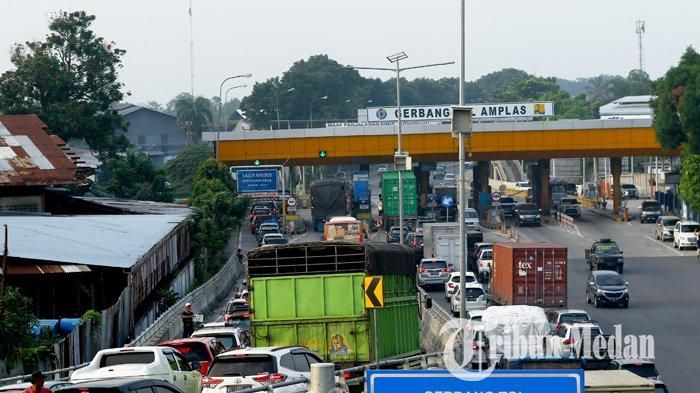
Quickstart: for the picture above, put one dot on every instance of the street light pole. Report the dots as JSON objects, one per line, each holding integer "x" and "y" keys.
{"x": 460, "y": 216}
{"x": 277, "y": 104}
{"x": 311, "y": 110}
{"x": 221, "y": 88}
{"x": 396, "y": 58}
{"x": 226, "y": 99}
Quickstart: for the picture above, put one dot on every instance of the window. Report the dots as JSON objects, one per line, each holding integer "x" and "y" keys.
{"x": 142, "y": 139}
{"x": 570, "y": 318}
{"x": 193, "y": 351}
{"x": 163, "y": 389}
{"x": 171, "y": 361}
{"x": 146, "y": 389}
{"x": 434, "y": 264}
{"x": 287, "y": 361}
{"x": 182, "y": 362}
{"x": 313, "y": 359}
{"x": 163, "y": 139}
{"x": 243, "y": 366}
{"x": 300, "y": 362}
{"x": 114, "y": 359}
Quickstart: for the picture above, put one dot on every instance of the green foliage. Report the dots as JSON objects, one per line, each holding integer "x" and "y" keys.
{"x": 16, "y": 321}
{"x": 690, "y": 180}
{"x": 194, "y": 114}
{"x": 213, "y": 169}
{"x": 181, "y": 169}
{"x": 95, "y": 317}
{"x": 166, "y": 298}
{"x": 134, "y": 176}
{"x": 69, "y": 80}
{"x": 677, "y": 106}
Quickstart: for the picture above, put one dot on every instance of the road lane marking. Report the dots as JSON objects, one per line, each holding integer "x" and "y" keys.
{"x": 672, "y": 249}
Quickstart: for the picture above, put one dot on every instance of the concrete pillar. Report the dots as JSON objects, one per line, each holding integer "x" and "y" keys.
{"x": 322, "y": 378}
{"x": 616, "y": 171}
{"x": 424, "y": 187}
{"x": 545, "y": 198}
{"x": 480, "y": 181}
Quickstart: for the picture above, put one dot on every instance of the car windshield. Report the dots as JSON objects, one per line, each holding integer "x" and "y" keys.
{"x": 607, "y": 248}
{"x": 193, "y": 351}
{"x": 236, "y": 307}
{"x": 114, "y": 359}
{"x": 507, "y": 200}
{"x": 476, "y": 318}
{"x": 473, "y": 292}
{"x": 275, "y": 240}
{"x": 688, "y": 228}
{"x": 569, "y": 201}
{"x": 644, "y": 370}
{"x": 571, "y": 318}
{"x": 670, "y": 222}
{"x": 242, "y": 366}
{"x": 611, "y": 280}
{"x": 527, "y": 207}
{"x": 470, "y": 214}
{"x": 628, "y": 186}
{"x": 487, "y": 254}
{"x": 227, "y": 339}
{"x": 651, "y": 206}
{"x": 433, "y": 264}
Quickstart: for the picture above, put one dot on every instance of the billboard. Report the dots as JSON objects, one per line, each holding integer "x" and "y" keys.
{"x": 257, "y": 180}
{"x": 442, "y": 112}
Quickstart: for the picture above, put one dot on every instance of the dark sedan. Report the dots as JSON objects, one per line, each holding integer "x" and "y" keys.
{"x": 607, "y": 287}
{"x": 122, "y": 385}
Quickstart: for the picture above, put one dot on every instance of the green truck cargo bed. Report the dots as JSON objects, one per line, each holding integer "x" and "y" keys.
{"x": 390, "y": 194}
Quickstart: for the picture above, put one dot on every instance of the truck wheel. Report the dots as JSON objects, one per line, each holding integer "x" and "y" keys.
{"x": 626, "y": 304}
{"x": 588, "y": 300}
{"x": 590, "y": 266}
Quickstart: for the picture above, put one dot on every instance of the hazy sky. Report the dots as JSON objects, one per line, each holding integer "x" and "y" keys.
{"x": 547, "y": 37}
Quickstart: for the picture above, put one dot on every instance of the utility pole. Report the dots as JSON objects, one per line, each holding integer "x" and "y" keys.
{"x": 189, "y": 11}
{"x": 4, "y": 267}
{"x": 460, "y": 193}
{"x": 640, "y": 30}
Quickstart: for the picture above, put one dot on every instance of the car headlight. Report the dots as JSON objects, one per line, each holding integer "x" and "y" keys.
{"x": 537, "y": 216}
{"x": 599, "y": 291}
{"x": 667, "y": 231}
{"x": 522, "y": 217}
{"x": 620, "y": 259}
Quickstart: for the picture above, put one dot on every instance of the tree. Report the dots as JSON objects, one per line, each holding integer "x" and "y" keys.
{"x": 213, "y": 169}
{"x": 16, "y": 321}
{"x": 193, "y": 114}
{"x": 134, "y": 176}
{"x": 690, "y": 180}
{"x": 181, "y": 169}
{"x": 69, "y": 80}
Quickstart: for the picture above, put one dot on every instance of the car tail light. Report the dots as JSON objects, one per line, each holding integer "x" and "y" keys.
{"x": 347, "y": 375}
{"x": 421, "y": 270}
{"x": 556, "y": 327}
{"x": 475, "y": 346}
{"x": 451, "y": 285}
{"x": 210, "y": 382}
{"x": 569, "y": 341}
{"x": 447, "y": 269}
{"x": 268, "y": 379}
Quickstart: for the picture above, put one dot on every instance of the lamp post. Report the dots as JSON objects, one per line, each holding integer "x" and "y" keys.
{"x": 226, "y": 99}
{"x": 221, "y": 88}
{"x": 311, "y": 110}
{"x": 396, "y": 59}
{"x": 461, "y": 204}
{"x": 277, "y": 104}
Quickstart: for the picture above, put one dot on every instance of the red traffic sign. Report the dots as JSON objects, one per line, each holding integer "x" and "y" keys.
{"x": 496, "y": 196}
{"x": 291, "y": 202}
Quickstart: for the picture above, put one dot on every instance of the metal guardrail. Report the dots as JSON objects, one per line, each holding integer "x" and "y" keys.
{"x": 22, "y": 378}
{"x": 417, "y": 362}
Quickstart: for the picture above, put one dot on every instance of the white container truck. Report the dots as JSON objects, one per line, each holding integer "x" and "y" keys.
{"x": 441, "y": 240}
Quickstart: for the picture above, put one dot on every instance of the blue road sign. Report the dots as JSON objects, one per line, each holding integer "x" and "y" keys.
{"x": 433, "y": 381}
{"x": 256, "y": 180}
{"x": 447, "y": 201}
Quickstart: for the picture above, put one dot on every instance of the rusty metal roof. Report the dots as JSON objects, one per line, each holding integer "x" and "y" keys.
{"x": 29, "y": 156}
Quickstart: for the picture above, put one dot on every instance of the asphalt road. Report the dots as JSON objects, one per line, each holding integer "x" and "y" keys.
{"x": 663, "y": 290}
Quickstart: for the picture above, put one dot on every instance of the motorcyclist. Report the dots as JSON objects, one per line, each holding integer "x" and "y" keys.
{"x": 239, "y": 255}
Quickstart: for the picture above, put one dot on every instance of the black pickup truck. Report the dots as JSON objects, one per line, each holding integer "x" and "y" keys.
{"x": 604, "y": 254}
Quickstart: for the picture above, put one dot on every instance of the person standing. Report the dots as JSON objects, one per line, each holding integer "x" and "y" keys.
{"x": 187, "y": 321}
{"x": 37, "y": 386}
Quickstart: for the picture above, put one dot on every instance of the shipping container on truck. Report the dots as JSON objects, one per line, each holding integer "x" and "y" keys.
{"x": 532, "y": 274}
{"x": 329, "y": 198}
{"x": 360, "y": 192}
{"x": 311, "y": 294}
{"x": 442, "y": 232}
{"x": 390, "y": 197}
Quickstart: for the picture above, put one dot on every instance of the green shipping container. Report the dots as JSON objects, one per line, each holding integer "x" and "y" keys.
{"x": 390, "y": 194}
{"x": 318, "y": 312}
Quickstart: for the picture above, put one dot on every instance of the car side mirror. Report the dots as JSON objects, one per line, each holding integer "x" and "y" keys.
{"x": 627, "y": 284}
{"x": 622, "y": 252}
{"x": 428, "y": 302}
{"x": 196, "y": 365}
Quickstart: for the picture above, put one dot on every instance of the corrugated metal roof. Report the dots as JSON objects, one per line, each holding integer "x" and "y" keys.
{"x": 30, "y": 156}
{"x": 30, "y": 268}
{"x": 94, "y": 240}
{"x": 140, "y": 207}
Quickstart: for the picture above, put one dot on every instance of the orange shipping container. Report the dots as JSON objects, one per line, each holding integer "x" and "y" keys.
{"x": 532, "y": 274}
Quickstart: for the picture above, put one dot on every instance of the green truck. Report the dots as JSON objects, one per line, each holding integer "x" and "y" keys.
{"x": 390, "y": 197}
{"x": 311, "y": 294}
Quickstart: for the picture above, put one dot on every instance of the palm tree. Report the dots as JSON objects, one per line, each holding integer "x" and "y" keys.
{"x": 193, "y": 116}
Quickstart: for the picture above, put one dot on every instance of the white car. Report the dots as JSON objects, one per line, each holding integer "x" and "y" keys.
{"x": 255, "y": 367}
{"x": 453, "y": 282}
{"x": 449, "y": 179}
{"x": 271, "y": 239}
{"x": 483, "y": 264}
{"x": 565, "y": 338}
{"x": 471, "y": 219}
{"x": 522, "y": 185}
{"x": 475, "y": 298}
{"x": 162, "y": 363}
{"x": 684, "y": 234}
{"x": 232, "y": 337}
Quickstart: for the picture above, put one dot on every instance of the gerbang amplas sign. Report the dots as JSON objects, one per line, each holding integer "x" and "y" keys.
{"x": 442, "y": 112}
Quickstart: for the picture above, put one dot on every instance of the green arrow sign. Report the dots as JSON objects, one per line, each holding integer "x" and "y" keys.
{"x": 322, "y": 153}
{"x": 257, "y": 162}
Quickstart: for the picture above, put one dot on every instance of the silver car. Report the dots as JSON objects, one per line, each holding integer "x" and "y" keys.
{"x": 433, "y": 271}
{"x": 664, "y": 227}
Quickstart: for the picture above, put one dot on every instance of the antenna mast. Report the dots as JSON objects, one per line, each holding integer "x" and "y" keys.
{"x": 640, "y": 33}
{"x": 191, "y": 53}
